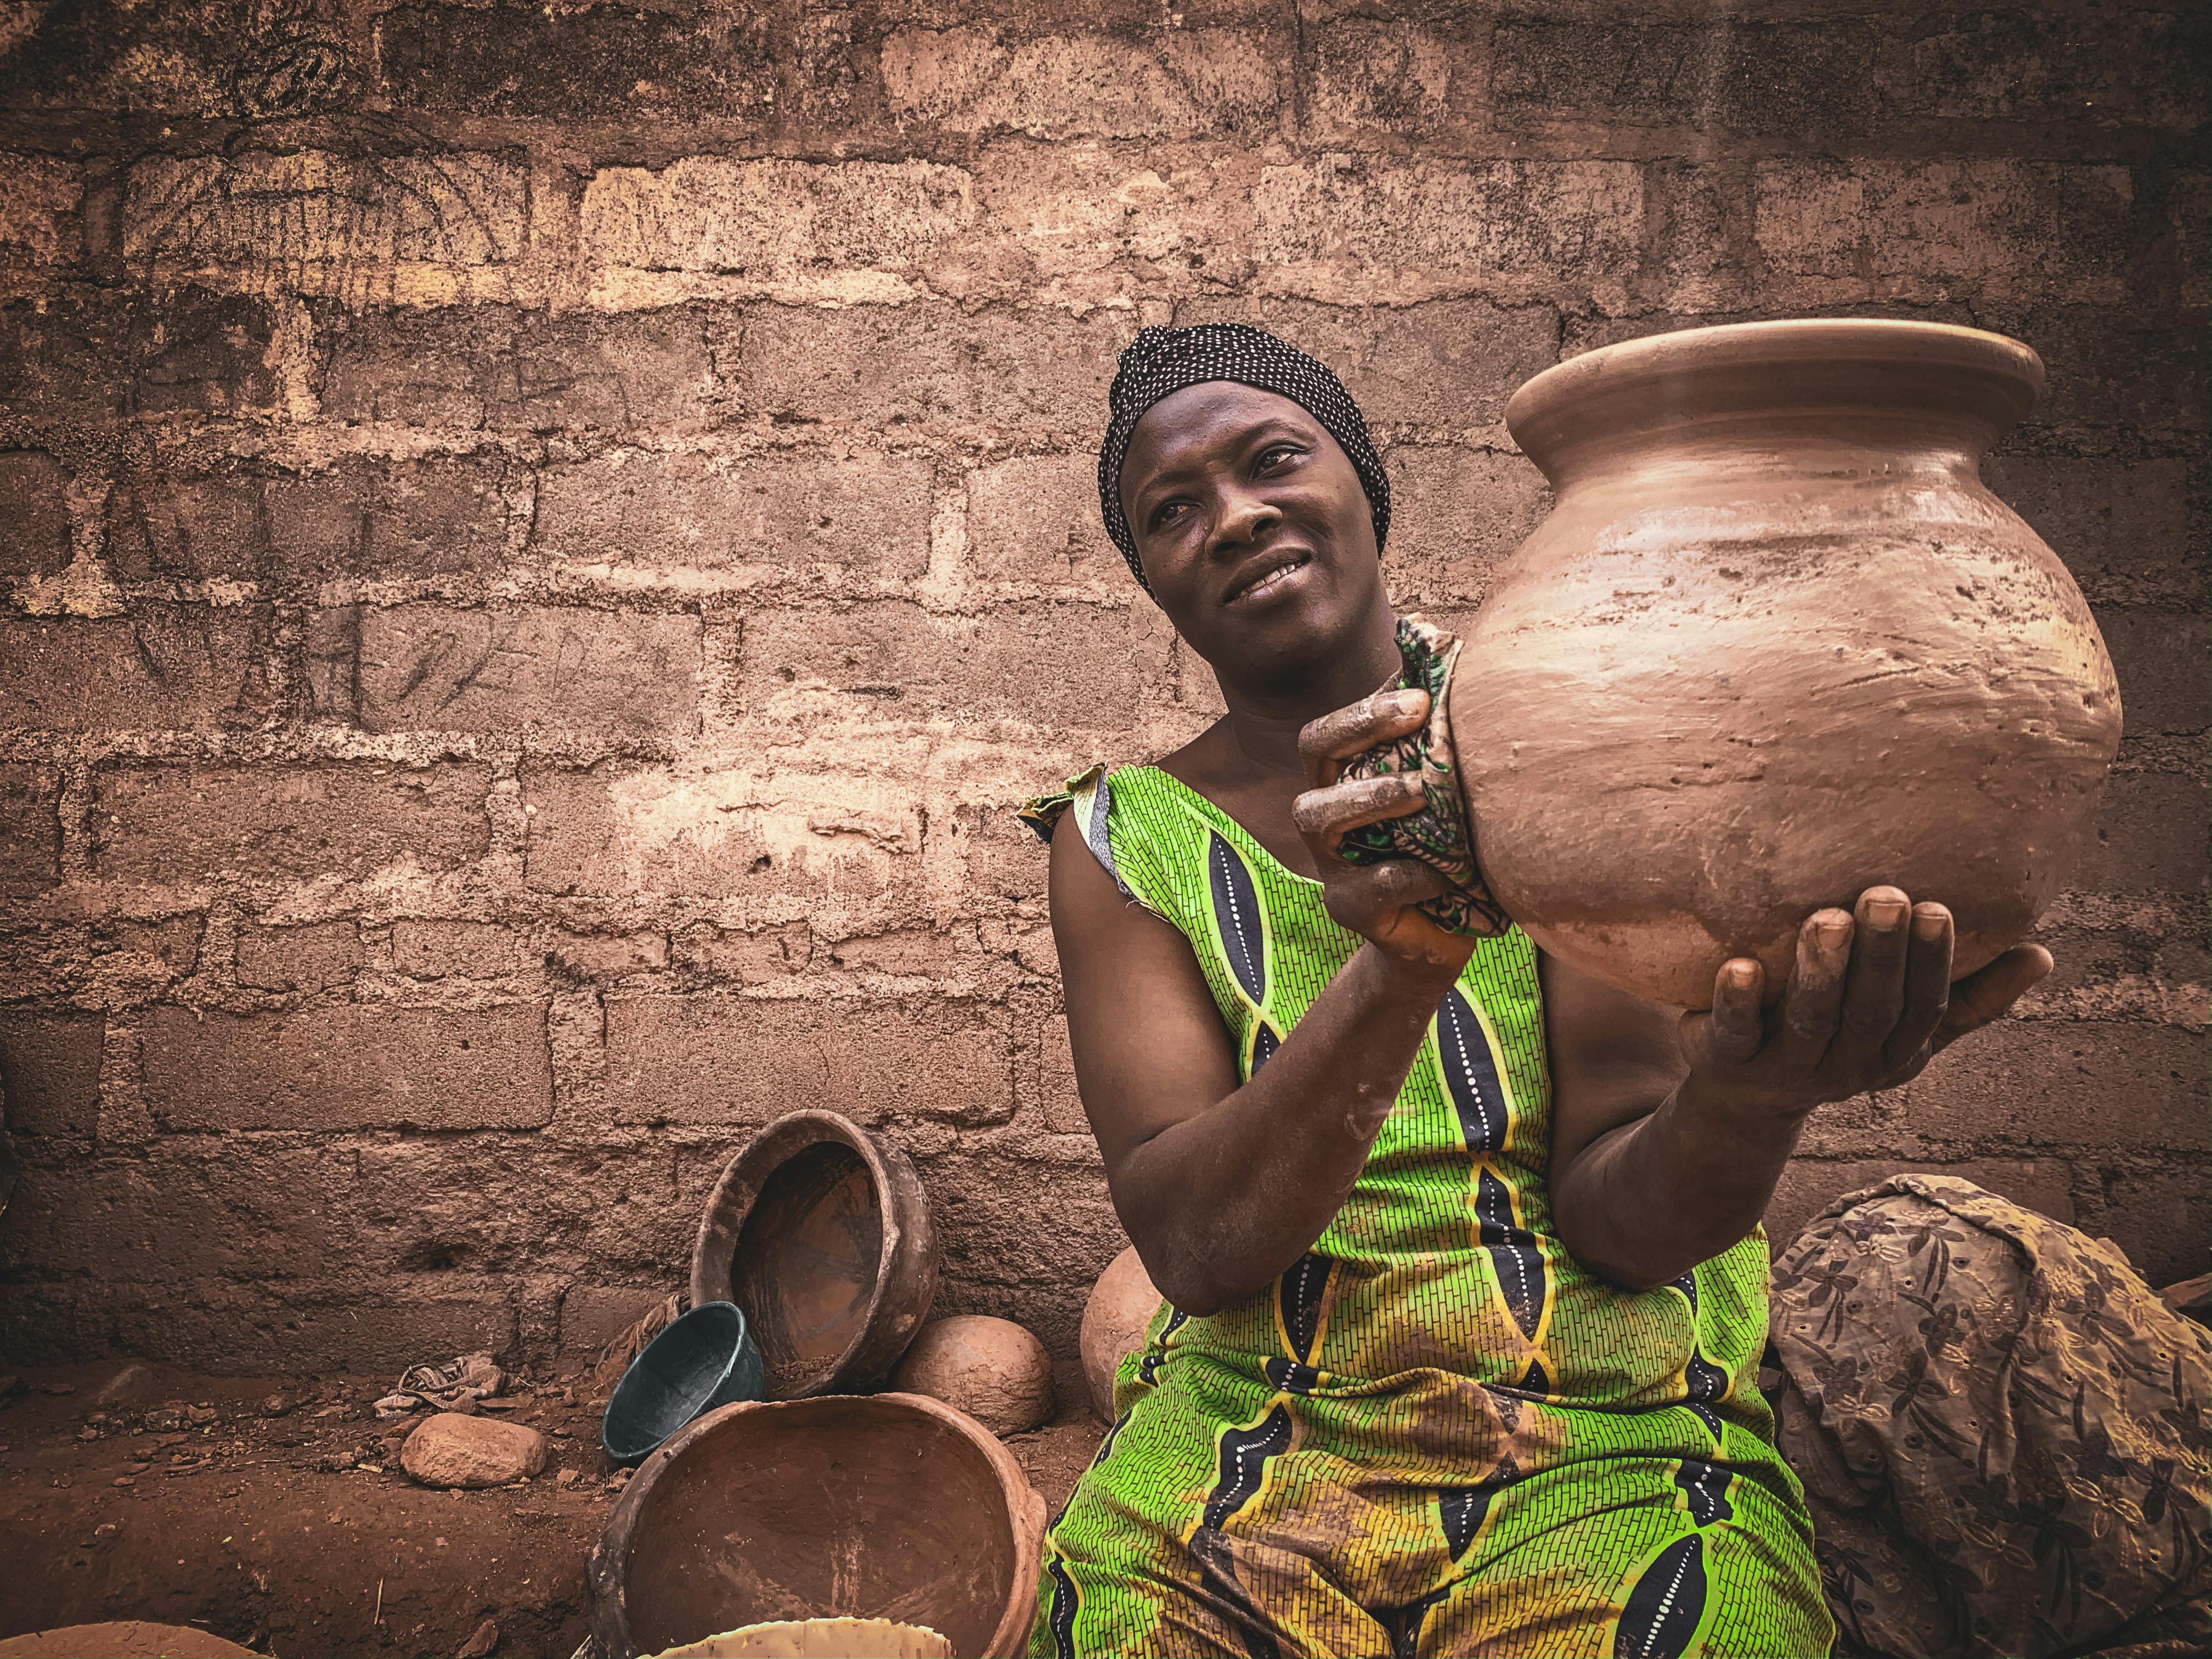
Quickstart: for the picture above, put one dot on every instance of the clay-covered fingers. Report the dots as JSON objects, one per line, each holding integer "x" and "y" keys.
{"x": 1806, "y": 1023}
{"x": 1983, "y": 995}
{"x": 1336, "y": 737}
{"x": 1322, "y": 815}
{"x": 1364, "y": 899}
{"x": 1927, "y": 983}
{"x": 1732, "y": 1032}
{"x": 1874, "y": 987}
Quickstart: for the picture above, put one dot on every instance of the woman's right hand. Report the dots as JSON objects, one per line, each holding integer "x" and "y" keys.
{"x": 1378, "y": 901}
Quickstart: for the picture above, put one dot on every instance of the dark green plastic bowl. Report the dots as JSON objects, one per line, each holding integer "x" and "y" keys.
{"x": 704, "y": 1359}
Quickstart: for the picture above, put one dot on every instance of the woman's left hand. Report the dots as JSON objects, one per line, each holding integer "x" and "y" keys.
{"x": 1868, "y": 1004}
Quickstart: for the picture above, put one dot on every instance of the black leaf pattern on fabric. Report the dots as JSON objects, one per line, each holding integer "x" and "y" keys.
{"x": 1291, "y": 1375}
{"x": 1537, "y": 1380}
{"x": 1478, "y": 1094}
{"x": 1701, "y": 1379}
{"x": 1711, "y": 1418}
{"x": 1662, "y": 1611}
{"x": 1236, "y": 914}
{"x": 1243, "y": 1464}
{"x": 1065, "y": 1601}
{"x": 1704, "y": 1486}
{"x": 1264, "y": 1044}
{"x": 1148, "y": 1368}
{"x": 1514, "y": 1255}
{"x": 1301, "y": 1294}
{"x": 1688, "y": 1284}
{"x": 1462, "y": 1508}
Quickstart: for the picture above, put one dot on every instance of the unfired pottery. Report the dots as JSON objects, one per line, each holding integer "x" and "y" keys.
{"x": 1775, "y": 644}
{"x": 1121, "y": 1304}
{"x": 863, "y": 1506}
{"x": 819, "y": 1639}
{"x": 992, "y": 1369}
{"x": 821, "y": 1235}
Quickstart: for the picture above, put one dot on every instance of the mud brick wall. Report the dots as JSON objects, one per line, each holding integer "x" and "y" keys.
{"x": 541, "y": 542}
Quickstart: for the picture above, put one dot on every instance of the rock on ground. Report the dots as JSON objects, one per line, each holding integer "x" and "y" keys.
{"x": 992, "y": 1369}
{"x": 452, "y": 1450}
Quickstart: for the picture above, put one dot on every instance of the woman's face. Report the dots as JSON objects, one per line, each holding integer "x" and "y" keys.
{"x": 1252, "y": 528}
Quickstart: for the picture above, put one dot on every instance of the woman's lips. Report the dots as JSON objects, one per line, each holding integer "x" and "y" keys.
{"x": 1270, "y": 580}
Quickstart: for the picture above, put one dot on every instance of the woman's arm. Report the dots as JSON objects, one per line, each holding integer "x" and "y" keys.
{"x": 1221, "y": 1186}
{"x": 1670, "y": 1130}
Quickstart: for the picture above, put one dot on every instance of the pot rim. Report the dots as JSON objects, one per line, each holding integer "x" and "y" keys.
{"x": 1820, "y": 365}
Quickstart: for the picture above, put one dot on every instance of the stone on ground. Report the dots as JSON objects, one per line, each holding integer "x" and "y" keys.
{"x": 471, "y": 1452}
{"x": 992, "y": 1369}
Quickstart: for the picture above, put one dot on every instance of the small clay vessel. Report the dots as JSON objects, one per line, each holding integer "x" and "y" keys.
{"x": 1775, "y": 644}
{"x": 992, "y": 1369}
{"x": 821, "y": 1235}
{"x": 1121, "y": 1304}
{"x": 888, "y": 1506}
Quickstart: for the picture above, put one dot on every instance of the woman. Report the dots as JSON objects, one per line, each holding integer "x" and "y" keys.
{"x": 1467, "y": 1289}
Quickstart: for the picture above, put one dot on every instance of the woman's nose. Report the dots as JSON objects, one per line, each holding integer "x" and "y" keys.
{"x": 1242, "y": 517}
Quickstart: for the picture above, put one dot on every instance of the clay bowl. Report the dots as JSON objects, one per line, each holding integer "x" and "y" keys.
{"x": 1114, "y": 1319}
{"x": 819, "y": 1639}
{"x": 704, "y": 1359}
{"x": 865, "y": 1506}
{"x": 823, "y": 1238}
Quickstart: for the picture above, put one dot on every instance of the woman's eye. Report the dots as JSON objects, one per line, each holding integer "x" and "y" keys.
{"x": 1165, "y": 514}
{"x": 1275, "y": 454}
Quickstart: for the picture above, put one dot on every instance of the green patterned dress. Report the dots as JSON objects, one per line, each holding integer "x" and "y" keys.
{"x": 1436, "y": 1433}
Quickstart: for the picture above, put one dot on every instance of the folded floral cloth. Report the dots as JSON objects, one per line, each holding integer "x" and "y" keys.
{"x": 1438, "y": 834}
{"x": 456, "y": 1385}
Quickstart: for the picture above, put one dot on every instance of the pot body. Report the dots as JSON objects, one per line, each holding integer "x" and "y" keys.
{"x": 1775, "y": 644}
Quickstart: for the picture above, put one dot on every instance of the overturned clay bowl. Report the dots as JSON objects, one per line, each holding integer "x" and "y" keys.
{"x": 819, "y": 1639}
{"x": 121, "y": 1639}
{"x": 823, "y": 1237}
{"x": 886, "y": 1506}
{"x": 1121, "y": 1305}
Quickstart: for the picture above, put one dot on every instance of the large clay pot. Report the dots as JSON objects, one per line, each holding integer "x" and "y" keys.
{"x": 859, "y": 1506}
{"x": 1121, "y": 1304}
{"x": 1776, "y": 643}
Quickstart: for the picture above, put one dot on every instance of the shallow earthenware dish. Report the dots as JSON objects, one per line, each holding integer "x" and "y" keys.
{"x": 863, "y": 1506}
{"x": 821, "y": 1235}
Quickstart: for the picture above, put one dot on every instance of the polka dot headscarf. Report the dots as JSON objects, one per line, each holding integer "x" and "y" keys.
{"x": 1160, "y": 361}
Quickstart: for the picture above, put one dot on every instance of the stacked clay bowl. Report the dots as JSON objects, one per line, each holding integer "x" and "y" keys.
{"x": 823, "y": 1238}
{"x": 886, "y": 1506}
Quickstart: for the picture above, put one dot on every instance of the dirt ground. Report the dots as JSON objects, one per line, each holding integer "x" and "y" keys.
{"x": 273, "y": 1511}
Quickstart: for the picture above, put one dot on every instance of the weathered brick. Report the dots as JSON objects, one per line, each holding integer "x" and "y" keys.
{"x": 1808, "y": 1186}
{"x": 34, "y": 518}
{"x": 606, "y": 955}
{"x": 1033, "y": 523}
{"x": 982, "y": 1240}
{"x": 523, "y": 60}
{"x": 2120, "y": 975}
{"x": 2160, "y": 1217}
{"x": 166, "y": 949}
{"x": 2050, "y": 1083}
{"x": 1403, "y": 230}
{"x": 2191, "y": 217}
{"x": 408, "y": 228}
{"x": 303, "y": 958}
{"x": 1456, "y": 516}
{"x": 493, "y": 366}
{"x": 40, "y": 196}
{"x": 1832, "y": 232}
{"x": 2150, "y": 835}
{"x": 920, "y": 663}
{"x": 114, "y": 352}
{"x": 443, "y": 515}
{"x": 753, "y": 957}
{"x": 505, "y": 668}
{"x": 1449, "y": 363}
{"x": 2112, "y": 366}
{"x": 620, "y": 828}
{"x": 49, "y": 1064}
{"x": 2122, "y": 527}
{"x": 1748, "y": 76}
{"x": 30, "y": 830}
{"x": 592, "y": 1315}
{"x": 1369, "y": 75}
{"x": 2163, "y": 660}
{"x": 798, "y": 230}
{"x": 187, "y": 823}
{"x": 165, "y": 666}
{"x": 705, "y": 1059}
{"x": 473, "y": 950}
{"x": 2084, "y": 65}
{"x": 173, "y": 524}
{"x": 922, "y": 364}
{"x": 777, "y": 514}
{"x": 359, "y": 1066}
{"x": 1172, "y": 83}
